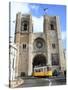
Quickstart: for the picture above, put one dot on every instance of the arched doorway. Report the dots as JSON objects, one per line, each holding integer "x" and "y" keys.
{"x": 39, "y": 60}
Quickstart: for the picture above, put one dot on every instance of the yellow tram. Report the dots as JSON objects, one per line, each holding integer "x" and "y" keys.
{"x": 42, "y": 71}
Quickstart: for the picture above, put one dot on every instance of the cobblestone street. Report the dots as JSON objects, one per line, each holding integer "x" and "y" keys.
{"x": 32, "y": 82}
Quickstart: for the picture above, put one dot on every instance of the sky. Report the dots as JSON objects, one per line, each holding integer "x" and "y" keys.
{"x": 37, "y": 12}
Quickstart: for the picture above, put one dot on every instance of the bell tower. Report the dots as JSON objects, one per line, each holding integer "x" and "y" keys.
{"x": 23, "y": 29}
{"x": 52, "y": 31}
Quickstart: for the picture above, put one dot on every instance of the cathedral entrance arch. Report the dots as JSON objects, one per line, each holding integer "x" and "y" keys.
{"x": 39, "y": 60}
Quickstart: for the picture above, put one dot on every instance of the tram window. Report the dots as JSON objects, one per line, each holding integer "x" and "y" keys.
{"x": 35, "y": 70}
{"x": 45, "y": 69}
{"x": 41, "y": 70}
{"x": 38, "y": 70}
{"x": 48, "y": 68}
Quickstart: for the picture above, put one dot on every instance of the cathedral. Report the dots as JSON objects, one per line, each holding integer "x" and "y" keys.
{"x": 38, "y": 49}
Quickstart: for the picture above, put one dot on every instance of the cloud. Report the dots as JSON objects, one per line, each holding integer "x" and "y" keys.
{"x": 15, "y": 8}
{"x": 37, "y": 24}
{"x": 19, "y": 7}
{"x": 36, "y": 7}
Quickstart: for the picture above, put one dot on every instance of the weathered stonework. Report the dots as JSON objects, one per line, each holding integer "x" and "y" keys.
{"x": 26, "y": 54}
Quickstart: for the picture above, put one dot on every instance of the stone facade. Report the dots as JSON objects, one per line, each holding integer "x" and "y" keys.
{"x": 46, "y": 45}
